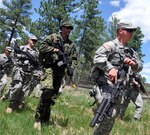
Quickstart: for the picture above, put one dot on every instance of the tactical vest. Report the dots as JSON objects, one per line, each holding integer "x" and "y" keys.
{"x": 47, "y": 59}
{"x": 116, "y": 58}
{"x": 118, "y": 55}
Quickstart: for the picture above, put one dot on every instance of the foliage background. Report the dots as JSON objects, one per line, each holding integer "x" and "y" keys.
{"x": 90, "y": 29}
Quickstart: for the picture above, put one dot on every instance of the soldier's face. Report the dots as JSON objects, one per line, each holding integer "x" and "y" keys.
{"x": 32, "y": 42}
{"x": 7, "y": 52}
{"x": 127, "y": 34}
{"x": 66, "y": 30}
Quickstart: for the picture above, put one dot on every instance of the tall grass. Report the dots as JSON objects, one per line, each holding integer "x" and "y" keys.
{"x": 70, "y": 115}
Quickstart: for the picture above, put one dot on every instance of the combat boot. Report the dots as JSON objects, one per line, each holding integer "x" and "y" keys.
{"x": 9, "y": 110}
{"x": 12, "y": 106}
{"x": 37, "y": 125}
{"x": 43, "y": 110}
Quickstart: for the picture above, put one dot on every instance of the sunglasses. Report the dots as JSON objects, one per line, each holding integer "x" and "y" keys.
{"x": 34, "y": 40}
{"x": 129, "y": 30}
{"x": 69, "y": 27}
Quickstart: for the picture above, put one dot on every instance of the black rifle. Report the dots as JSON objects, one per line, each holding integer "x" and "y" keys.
{"x": 105, "y": 108}
{"x": 65, "y": 58}
{"x": 29, "y": 57}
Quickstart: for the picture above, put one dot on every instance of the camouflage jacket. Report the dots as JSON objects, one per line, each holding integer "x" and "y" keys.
{"x": 112, "y": 54}
{"x": 56, "y": 41}
{"x": 26, "y": 58}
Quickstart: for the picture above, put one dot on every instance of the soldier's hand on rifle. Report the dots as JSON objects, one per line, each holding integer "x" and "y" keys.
{"x": 55, "y": 50}
{"x": 112, "y": 75}
{"x": 136, "y": 84}
{"x": 129, "y": 62}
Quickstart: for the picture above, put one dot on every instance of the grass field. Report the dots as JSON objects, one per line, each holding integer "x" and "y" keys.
{"x": 71, "y": 115}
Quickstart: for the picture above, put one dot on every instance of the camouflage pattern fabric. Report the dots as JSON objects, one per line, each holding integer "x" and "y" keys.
{"x": 5, "y": 63}
{"x": 109, "y": 55}
{"x": 55, "y": 72}
{"x": 104, "y": 128}
{"x": 135, "y": 96}
{"x": 21, "y": 76}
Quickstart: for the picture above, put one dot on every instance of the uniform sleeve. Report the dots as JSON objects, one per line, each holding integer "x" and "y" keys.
{"x": 47, "y": 45}
{"x": 101, "y": 57}
{"x": 1, "y": 59}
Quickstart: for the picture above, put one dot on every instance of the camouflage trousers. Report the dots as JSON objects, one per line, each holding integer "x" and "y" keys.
{"x": 50, "y": 92}
{"x": 48, "y": 81}
{"x": 105, "y": 126}
{"x": 18, "y": 87}
{"x": 3, "y": 82}
{"x": 34, "y": 87}
{"x": 136, "y": 97}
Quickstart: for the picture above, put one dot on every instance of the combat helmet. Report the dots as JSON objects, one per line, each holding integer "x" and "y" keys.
{"x": 66, "y": 24}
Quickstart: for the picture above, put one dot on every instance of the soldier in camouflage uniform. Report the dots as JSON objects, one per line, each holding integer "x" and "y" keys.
{"x": 57, "y": 53}
{"x": 26, "y": 60}
{"x": 35, "y": 84}
{"x": 108, "y": 58}
{"x": 5, "y": 65}
{"x": 132, "y": 93}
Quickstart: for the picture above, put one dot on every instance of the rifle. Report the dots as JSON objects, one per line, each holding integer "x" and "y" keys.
{"x": 106, "y": 107}
{"x": 29, "y": 57}
{"x": 64, "y": 60}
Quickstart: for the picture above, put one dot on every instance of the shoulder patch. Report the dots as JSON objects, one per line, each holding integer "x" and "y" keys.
{"x": 106, "y": 46}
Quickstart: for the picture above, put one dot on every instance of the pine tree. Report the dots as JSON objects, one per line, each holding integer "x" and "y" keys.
{"x": 14, "y": 19}
{"x": 91, "y": 27}
{"x": 112, "y": 33}
{"x": 52, "y": 14}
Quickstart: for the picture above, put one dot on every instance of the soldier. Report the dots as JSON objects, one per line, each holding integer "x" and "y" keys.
{"x": 133, "y": 94}
{"x": 35, "y": 84}
{"x": 57, "y": 53}
{"x": 5, "y": 66}
{"x": 108, "y": 58}
{"x": 26, "y": 60}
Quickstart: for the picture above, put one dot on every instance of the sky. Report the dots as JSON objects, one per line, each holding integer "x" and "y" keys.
{"x": 135, "y": 11}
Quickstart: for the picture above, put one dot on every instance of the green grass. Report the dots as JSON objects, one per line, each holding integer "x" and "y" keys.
{"x": 70, "y": 115}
